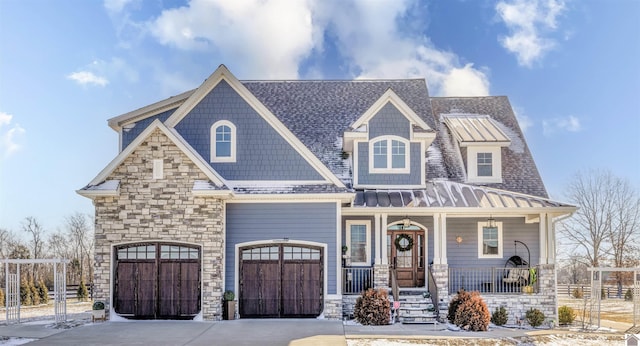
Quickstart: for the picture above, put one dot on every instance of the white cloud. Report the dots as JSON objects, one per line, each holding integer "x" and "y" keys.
{"x": 280, "y": 35}
{"x": 528, "y": 21}
{"x": 87, "y": 78}
{"x": 566, "y": 124}
{"x": 11, "y": 136}
{"x": 268, "y": 38}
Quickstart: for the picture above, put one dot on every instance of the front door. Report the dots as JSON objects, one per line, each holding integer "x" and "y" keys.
{"x": 406, "y": 249}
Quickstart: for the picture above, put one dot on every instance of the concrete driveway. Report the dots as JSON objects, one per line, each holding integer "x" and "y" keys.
{"x": 293, "y": 332}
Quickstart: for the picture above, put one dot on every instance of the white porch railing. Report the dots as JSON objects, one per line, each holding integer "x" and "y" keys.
{"x": 492, "y": 280}
{"x": 355, "y": 280}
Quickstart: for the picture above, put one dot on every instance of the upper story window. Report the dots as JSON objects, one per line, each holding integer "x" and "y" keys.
{"x": 485, "y": 165}
{"x": 490, "y": 240}
{"x": 223, "y": 142}
{"x": 388, "y": 155}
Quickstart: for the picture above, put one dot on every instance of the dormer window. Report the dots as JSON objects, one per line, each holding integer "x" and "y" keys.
{"x": 483, "y": 140}
{"x": 223, "y": 142}
{"x": 485, "y": 166}
{"x": 388, "y": 155}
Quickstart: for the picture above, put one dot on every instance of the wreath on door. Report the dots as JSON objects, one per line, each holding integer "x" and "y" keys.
{"x": 402, "y": 245}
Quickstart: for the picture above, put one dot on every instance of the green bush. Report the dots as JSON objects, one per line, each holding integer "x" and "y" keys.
{"x": 500, "y": 316}
{"x": 577, "y": 293}
{"x": 43, "y": 291}
{"x": 603, "y": 294}
{"x": 98, "y": 305}
{"x": 534, "y": 317}
{"x": 35, "y": 294}
{"x": 566, "y": 315}
{"x": 373, "y": 308}
{"x": 469, "y": 311}
{"x": 83, "y": 292}
{"x": 25, "y": 293}
{"x": 628, "y": 296}
{"x": 2, "y": 302}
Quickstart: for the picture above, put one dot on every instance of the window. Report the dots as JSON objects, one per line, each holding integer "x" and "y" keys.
{"x": 489, "y": 240}
{"x": 484, "y": 165}
{"x": 388, "y": 155}
{"x": 358, "y": 239}
{"x": 223, "y": 142}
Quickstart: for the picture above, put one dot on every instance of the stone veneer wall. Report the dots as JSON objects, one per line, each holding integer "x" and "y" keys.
{"x": 150, "y": 209}
{"x": 440, "y": 274}
{"x": 332, "y": 308}
{"x": 381, "y": 276}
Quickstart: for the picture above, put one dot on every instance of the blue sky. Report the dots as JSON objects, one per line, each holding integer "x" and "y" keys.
{"x": 570, "y": 68}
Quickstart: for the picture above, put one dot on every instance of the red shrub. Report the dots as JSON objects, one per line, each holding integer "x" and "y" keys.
{"x": 468, "y": 311}
{"x": 373, "y": 308}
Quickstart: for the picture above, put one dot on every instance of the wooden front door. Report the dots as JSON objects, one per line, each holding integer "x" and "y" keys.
{"x": 281, "y": 280}
{"x": 157, "y": 281}
{"x": 406, "y": 249}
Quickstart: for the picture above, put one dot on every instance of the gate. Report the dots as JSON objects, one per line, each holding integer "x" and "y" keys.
{"x": 12, "y": 284}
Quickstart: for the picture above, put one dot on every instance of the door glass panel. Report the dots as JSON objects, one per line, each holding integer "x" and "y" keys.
{"x": 420, "y": 250}
{"x": 404, "y": 258}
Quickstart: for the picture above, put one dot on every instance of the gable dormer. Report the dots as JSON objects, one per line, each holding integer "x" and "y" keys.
{"x": 388, "y": 144}
{"x": 480, "y": 141}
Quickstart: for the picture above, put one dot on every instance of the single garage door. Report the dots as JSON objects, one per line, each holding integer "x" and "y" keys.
{"x": 157, "y": 281}
{"x": 281, "y": 281}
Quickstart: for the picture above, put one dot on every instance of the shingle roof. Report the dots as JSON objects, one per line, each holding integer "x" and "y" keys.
{"x": 519, "y": 172}
{"x": 319, "y": 112}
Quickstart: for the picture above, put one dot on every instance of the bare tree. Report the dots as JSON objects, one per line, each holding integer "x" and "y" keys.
{"x": 36, "y": 231}
{"x": 79, "y": 231}
{"x": 606, "y": 226}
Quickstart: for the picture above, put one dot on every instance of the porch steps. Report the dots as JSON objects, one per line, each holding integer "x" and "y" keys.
{"x": 416, "y": 306}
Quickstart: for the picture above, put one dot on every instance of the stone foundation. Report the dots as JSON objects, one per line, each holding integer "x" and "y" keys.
{"x": 333, "y": 308}
{"x": 381, "y": 276}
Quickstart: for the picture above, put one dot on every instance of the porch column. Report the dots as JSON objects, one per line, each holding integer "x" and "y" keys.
{"x": 383, "y": 240}
{"x": 381, "y": 267}
{"x": 551, "y": 241}
{"x": 376, "y": 223}
{"x": 542, "y": 231}
{"x": 440, "y": 238}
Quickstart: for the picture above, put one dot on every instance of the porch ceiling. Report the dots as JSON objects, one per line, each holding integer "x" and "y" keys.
{"x": 447, "y": 194}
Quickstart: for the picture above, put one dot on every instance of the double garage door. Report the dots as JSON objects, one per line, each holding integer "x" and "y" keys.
{"x": 281, "y": 280}
{"x": 157, "y": 281}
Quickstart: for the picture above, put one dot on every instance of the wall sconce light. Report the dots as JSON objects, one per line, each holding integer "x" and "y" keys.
{"x": 458, "y": 239}
{"x": 491, "y": 222}
{"x": 406, "y": 222}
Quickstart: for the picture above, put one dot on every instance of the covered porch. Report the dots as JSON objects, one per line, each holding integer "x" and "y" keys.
{"x": 447, "y": 237}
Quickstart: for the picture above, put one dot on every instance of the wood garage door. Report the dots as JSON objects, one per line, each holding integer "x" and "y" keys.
{"x": 157, "y": 281}
{"x": 281, "y": 281}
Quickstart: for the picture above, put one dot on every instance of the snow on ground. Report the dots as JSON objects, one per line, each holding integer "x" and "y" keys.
{"x": 582, "y": 339}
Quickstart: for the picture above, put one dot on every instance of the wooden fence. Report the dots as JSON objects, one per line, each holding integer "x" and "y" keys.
{"x": 610, "y": 291}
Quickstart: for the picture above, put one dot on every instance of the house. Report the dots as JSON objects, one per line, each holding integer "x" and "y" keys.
{"x": 297, "y": 195}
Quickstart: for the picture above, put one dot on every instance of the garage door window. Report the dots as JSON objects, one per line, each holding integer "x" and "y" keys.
{"x": 301, "y": 253}
{"x": 178, "y": 252}
{"x": 138, "y": 252}
{"x": 261, "y": 253}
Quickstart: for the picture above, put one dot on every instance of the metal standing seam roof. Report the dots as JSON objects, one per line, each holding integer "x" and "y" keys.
{"x": 441, "y": 194}
{"x": 475, "y": 128}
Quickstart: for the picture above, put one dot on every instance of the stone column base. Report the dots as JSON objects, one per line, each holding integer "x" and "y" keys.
{"x": 381, "y": 276}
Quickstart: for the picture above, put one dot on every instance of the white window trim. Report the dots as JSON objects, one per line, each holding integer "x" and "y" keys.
{"x": 389, "y": 139}
{"x": 367, "y": 225}
{"x": 481, "y": 240}
{"x": 234, "y": 140}
{"x": 472, "y": 164}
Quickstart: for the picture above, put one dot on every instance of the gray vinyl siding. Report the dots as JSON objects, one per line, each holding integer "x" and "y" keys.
{"x": 414, "y": 177}
{"x": 128, "y": 135}
{"x": 389, "y": 121}
{"x": 466, "y": 253}
{"x": 261, "y": 153}
{"x": 314, "y": 222}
